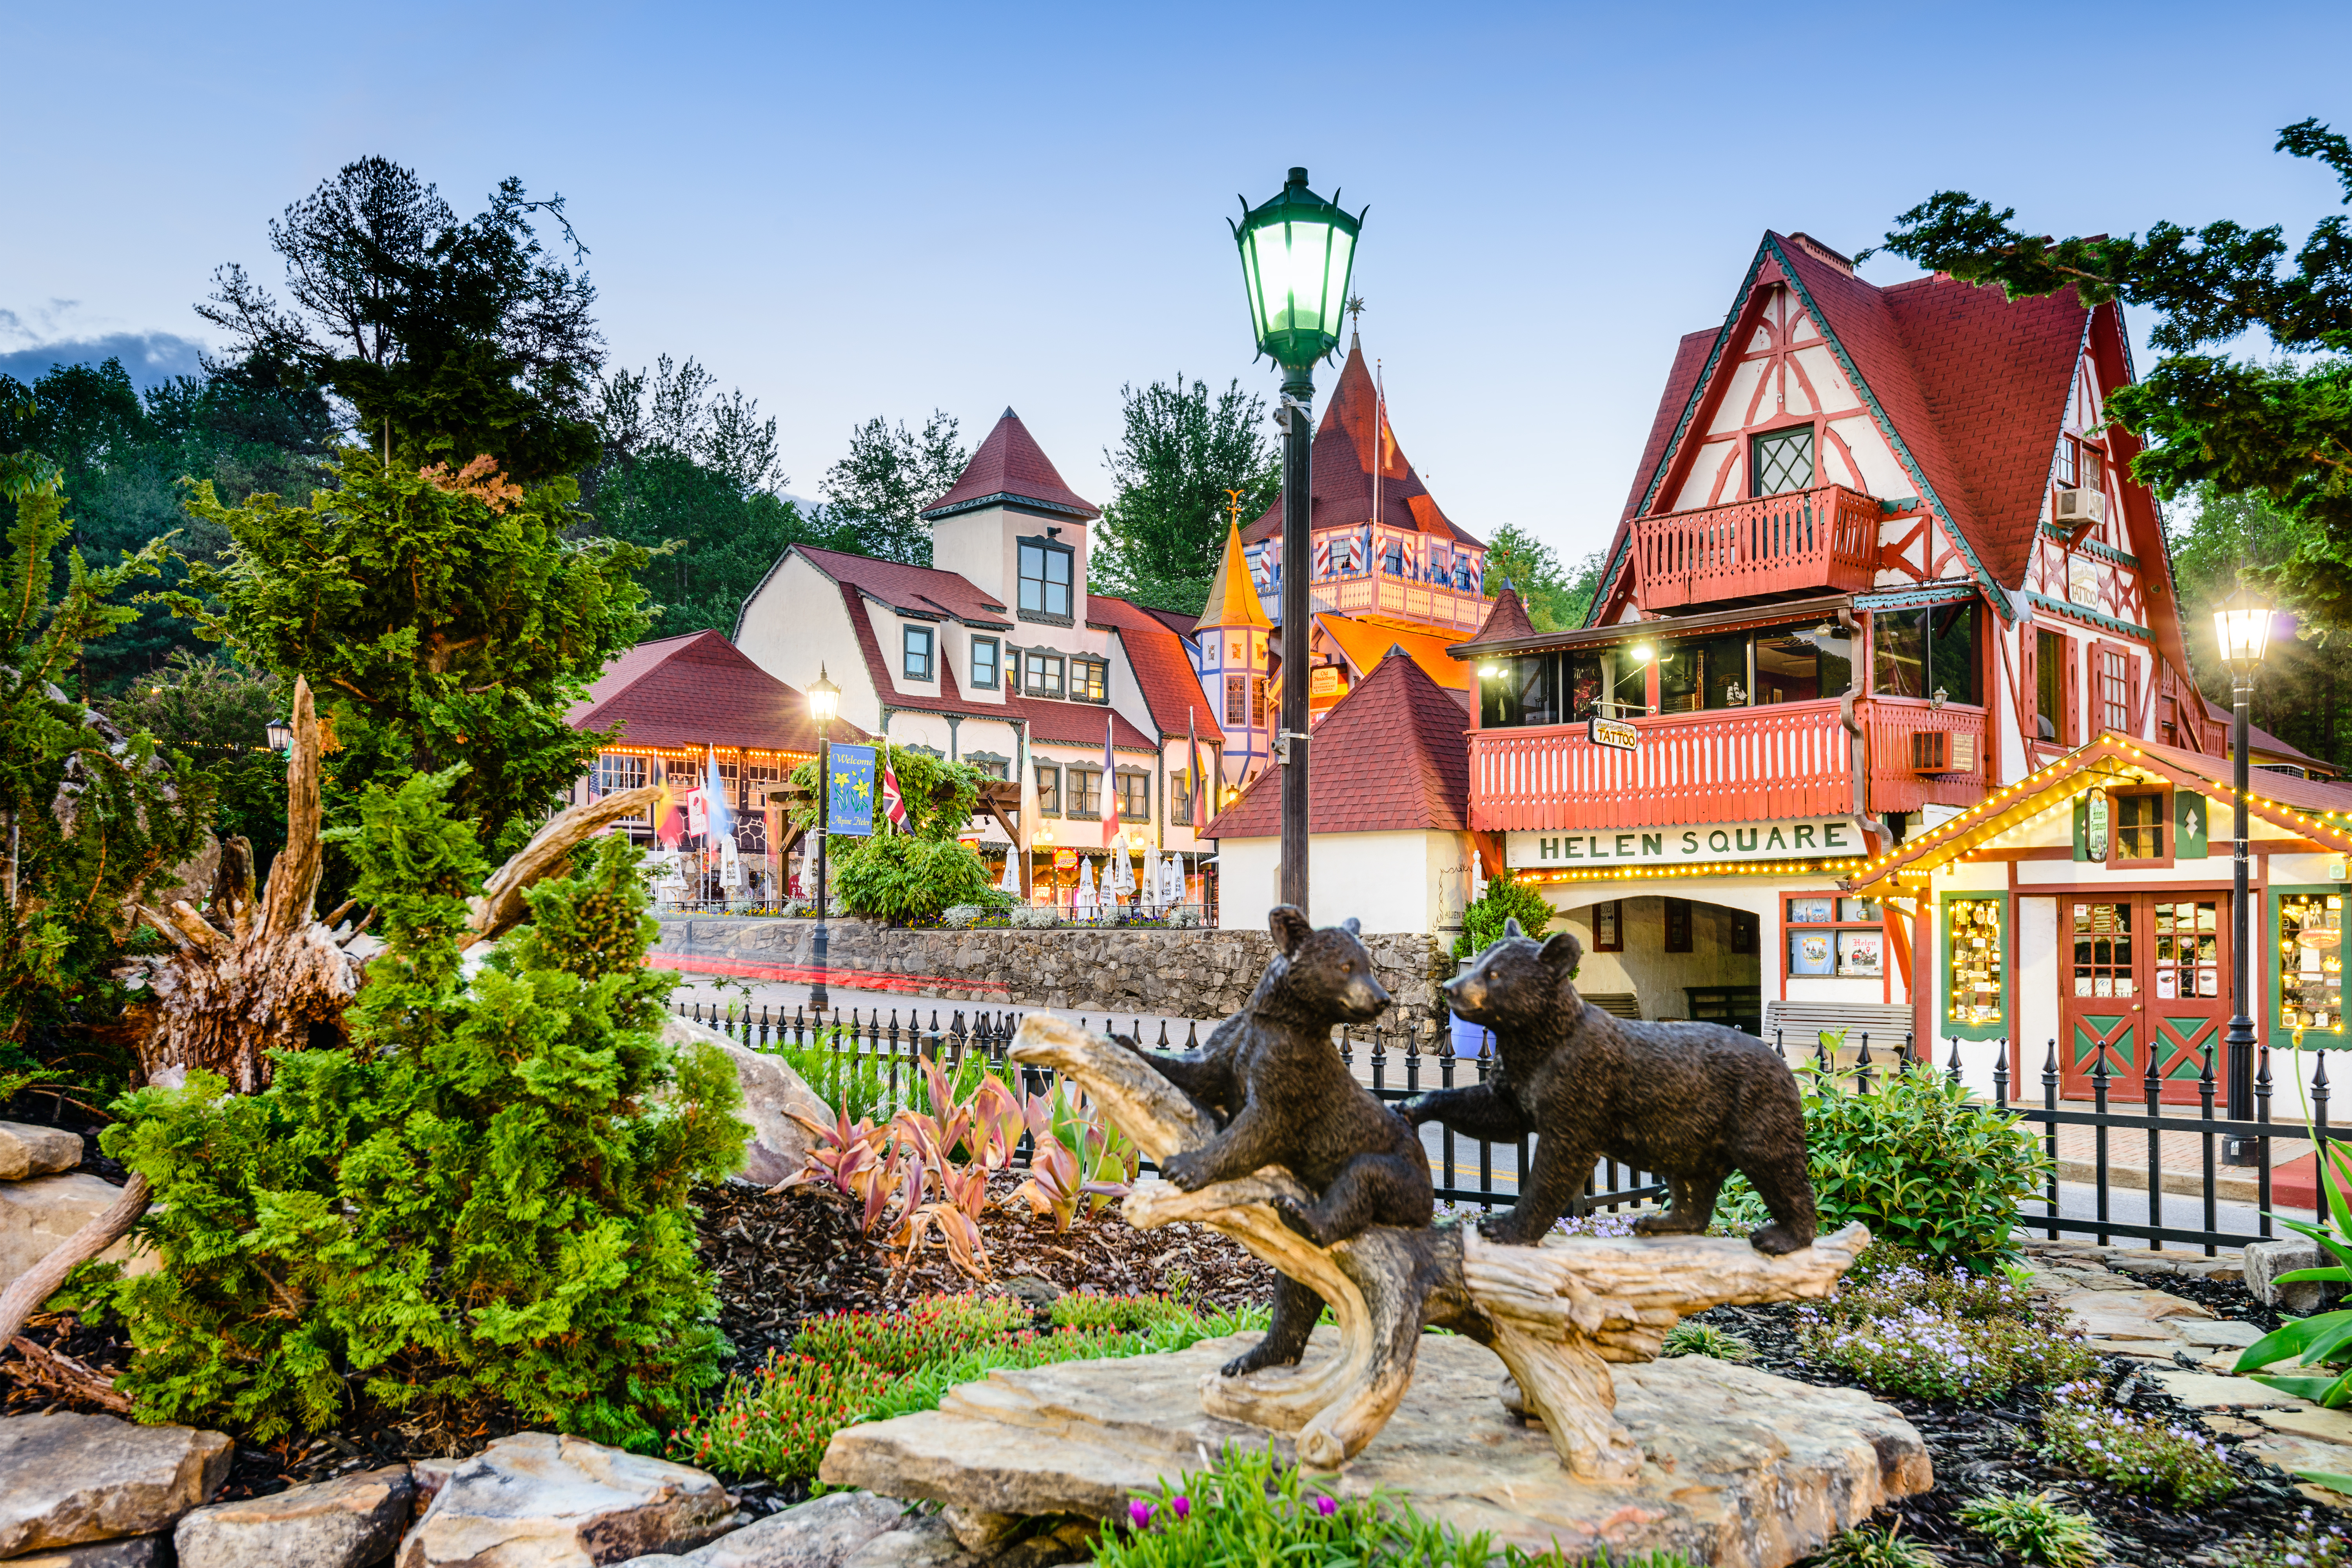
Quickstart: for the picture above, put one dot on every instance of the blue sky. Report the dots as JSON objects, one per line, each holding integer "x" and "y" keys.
{"x": 853, "y": 210}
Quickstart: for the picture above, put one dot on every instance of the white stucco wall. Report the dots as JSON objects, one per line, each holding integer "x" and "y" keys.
{"x": 1390, "y": 881}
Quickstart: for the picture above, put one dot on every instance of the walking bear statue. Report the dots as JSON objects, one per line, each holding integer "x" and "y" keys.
{"x": 1282, "y": 1096}
{"x": 1689, "y": 1102}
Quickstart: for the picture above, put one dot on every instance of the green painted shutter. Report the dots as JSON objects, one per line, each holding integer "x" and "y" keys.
{"x": 2190, "y": 815}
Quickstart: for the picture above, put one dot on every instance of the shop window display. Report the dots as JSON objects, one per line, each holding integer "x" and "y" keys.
{"x": 1835, "y": 936}
{"x": 2311, "y": 962}
{"x": 1972, "y": 955}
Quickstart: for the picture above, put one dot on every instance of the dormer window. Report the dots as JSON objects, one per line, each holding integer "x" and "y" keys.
{"x": 1089, "y": 680}
{"x": 983, "y": 664}
{"x": 916, "y": 662}
{"x": 1046, "y": 572}
{"x": 1780, "y": 461}
{"x": 1044, "y": 674}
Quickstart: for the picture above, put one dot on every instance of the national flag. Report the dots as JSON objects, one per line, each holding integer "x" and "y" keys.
{"x": 1193, "y": 781}
{"x": 1109, "y": 789}
{"x": 669, "y": 826}
{"x": 894, "y": 805}
{"x": 722, "y": 817}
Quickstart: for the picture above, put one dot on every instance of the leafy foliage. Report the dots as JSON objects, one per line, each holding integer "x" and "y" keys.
{"x": 2311, "y": 1543}
{"x": 777, "y": 1419}
{"x": 2283, "y": 429}
{"x": 2178, "y": 1463}
{"x": 484, "y": 1200}
{"x": 913, "y": 875}
{"x": 875, "y": 495}
{"x": 441, "y": 618}
{"x": 217, "y": 713}
{"x": 88, "y": 815}
{"x": 2037, "y": 1527}
{"x": 455, "y": 339}
{"x": 1903, "y": 1325}
{"x": 1504, "y": 899}
{"x": 1704, "y": 1339}
{"x": 1178, "y": 455}
{"x": 1862, "y": 1547}
{"x": 1556, "y": 598}
{"x": 1928, "y": 1172}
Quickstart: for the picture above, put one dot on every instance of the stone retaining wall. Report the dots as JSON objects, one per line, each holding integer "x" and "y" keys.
{"x": 1184, "y": 973}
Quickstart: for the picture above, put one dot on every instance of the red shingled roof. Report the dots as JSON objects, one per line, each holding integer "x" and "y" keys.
{"x": 694, "y": 691}
{"x": 1171, "y": 688}
{"x": 1011, "y": 466}
{"x": 911, "y": 590}
{"x": 1340, "y": 491}
{"x": 1508, "y": 618}
{"x": 1389, "y": 757}
{"x": 1061, "y": 723}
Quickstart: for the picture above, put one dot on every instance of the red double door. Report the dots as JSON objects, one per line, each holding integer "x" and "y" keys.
{"x": 2141, "y": 975}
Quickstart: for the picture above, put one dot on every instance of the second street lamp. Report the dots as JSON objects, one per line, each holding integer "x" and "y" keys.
{"x": 824, "y": 702}
{"x": 2242, "y": 627}
{"x": 1297, "y": 251}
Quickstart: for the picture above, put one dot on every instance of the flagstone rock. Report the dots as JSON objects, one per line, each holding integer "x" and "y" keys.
{"x": 2332, "y": 1426}
{"x": 2207, "y": 1390}
{"x": 351, "y": 1521}
{"x": 36, "y": 1150}
{"x": 823, "y": 1533}
{"x": 2234, "y": 1331}
{"x": 37, "y": 1215}
{"x": 540, "y": 1501}
{"x": 132, "y": 1552}
{"x": 68, "y": 1479}
{"x": 772, "y": 1092}
{"x": 1740, "y": 1469}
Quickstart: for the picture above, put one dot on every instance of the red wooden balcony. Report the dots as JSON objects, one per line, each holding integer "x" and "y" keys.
{"x": 1737, "y": 764}
{"x": 1820, "y": 540}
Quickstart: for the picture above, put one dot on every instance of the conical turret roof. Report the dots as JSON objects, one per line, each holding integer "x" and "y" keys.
{"x": 1351, "y": 442}
{"x": 1233, "y": 596}
{"x": 1010, "y": 466}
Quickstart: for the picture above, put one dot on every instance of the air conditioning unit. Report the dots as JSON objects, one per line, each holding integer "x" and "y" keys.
{"x": 2079, "y": 509}
{"x": 1943, "y": 752}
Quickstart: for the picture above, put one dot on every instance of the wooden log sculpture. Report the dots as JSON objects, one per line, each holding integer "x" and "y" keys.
{"x": 1557, "y": 1314}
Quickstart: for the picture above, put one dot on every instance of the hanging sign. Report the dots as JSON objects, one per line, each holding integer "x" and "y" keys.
{"x": 851, "y": 805}
{"x": 1613, "y": 732}
{"x": 1788, "y": 839}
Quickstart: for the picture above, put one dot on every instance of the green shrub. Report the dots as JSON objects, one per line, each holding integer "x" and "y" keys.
{"x": 1504, "y": 900}
{"x": 1862, "y": 1547}
{"x": 1124, "y": 1314}
{"x": 899, "y": 878}
{"x": 1915, "y": 1162}
{"x": 1933, "y": 1356}
{"x": 2310, "y": 1544}
{"x": 1706, "y": 1339}
{"x": 484, "y": 1200}
{"x": 777, "y": 1419}
{"x": 2163, "y": 1459}
{"x": 936, "y": 1328}
{"x": 2034, "y": 1527}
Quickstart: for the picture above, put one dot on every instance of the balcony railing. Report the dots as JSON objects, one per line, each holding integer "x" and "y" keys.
{"x": 1377, "y": 593}
{"x": 1734, "y": 765}
{"x": 1800, "y": 540}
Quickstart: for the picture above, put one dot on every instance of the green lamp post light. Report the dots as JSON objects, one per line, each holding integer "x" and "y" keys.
{"x": 1297, "y": 252}
{"x": 2242, "y": 628}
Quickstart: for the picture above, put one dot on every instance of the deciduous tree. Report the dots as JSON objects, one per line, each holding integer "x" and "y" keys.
{"x": 875, "y": 495}
{"x": 1180, "y": 456}
{"x": 1556, "y": 598}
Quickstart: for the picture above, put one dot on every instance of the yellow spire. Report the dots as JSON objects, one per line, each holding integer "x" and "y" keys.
{"x": 1232, "y": 598}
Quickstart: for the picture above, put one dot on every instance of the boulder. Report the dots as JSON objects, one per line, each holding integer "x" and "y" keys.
{"x": 36, "y": 1150}
{"x": 823, "y": 1533}
{"x": 771, "y": 1091}
{"x": 66, "y": 1480}
{"x": 540, "y": 1501}
{"x": 351, "y": 1521}
{"x": 37, "y": 1215}
{"x": 132, "y": 1552}
{"x": 1740, "y": 1469}
{"x": 2266, "y": 1260}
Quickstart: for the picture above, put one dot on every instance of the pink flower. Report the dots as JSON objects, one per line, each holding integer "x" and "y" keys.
{"x": 1182, "y": 1506}
{"x": 1326, "y": 1507}
{"x": 1139, "y": 1512}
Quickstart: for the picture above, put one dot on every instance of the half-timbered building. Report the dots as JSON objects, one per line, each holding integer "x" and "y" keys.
{"x": 1881, "y": 560}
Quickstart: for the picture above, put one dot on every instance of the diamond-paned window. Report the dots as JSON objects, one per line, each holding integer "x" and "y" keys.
{"x": 1783, "y": 461}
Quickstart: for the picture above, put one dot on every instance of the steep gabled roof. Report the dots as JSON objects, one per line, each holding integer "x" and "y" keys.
{"x": 1388, "y": 757}
{"x": 921, "y": 591}
{"x": 1171, "y": 688}
{"x": 694, "y": 691}
{"x": 1010, "y": 466}
{"x": 1346, "y": 445}
{"x": 1232, "y": 598}
{"x": 1968, "y": 388}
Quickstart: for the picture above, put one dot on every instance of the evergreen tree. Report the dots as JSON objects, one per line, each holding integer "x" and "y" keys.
{"x": 440, "y": 618}
{"x": 875, "y": 495}
{"x": 1555, "y": 600}
{"x": 1179, "y": 458}
{"x": 482, "y": 1202}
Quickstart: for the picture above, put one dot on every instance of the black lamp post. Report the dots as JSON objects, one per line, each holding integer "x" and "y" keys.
{"x": 1297, "y": 251}
{"x": 2242, "y": 627}
{"x": 281, "y": 736}
{"x": 824, "y": 702}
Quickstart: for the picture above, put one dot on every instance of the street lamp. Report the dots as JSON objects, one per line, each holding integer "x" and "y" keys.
{"x": 281, "y": 736}
{"x": 824, "y": 702}
{"x": 2242, "y": 627}
{"x": 1297, "y": 251}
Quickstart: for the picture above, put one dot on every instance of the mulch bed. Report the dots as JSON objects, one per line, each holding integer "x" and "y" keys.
{"x": 1984, "y": 1449}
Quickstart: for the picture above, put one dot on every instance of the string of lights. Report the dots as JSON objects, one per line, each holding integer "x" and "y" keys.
{"x": 1708, "y": 868}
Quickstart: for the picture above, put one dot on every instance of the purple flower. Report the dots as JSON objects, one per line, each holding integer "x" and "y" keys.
{"x": 1139, "y": 1512}
{"x": 1326, "y": 1507}
{"x": 1181, "y": 1507}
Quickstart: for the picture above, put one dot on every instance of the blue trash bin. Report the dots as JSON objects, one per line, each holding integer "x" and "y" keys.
{"x": 1467, "y": 1037}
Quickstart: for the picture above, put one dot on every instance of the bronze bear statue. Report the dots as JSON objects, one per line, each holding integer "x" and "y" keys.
{"x": 1282, "y": 1096}
{"x": 1690, "y": 1103}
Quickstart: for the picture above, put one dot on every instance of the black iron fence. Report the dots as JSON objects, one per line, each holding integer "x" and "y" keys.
{"x": 1403, "y": 1061}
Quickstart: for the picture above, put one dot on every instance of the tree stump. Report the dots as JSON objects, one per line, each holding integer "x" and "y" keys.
{"x": 1557, "y": 1314}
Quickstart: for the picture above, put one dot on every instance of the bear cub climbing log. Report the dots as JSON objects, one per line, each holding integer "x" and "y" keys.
{"x": 1274, "y": 1081}
{"x": 1692, "y": 1102}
